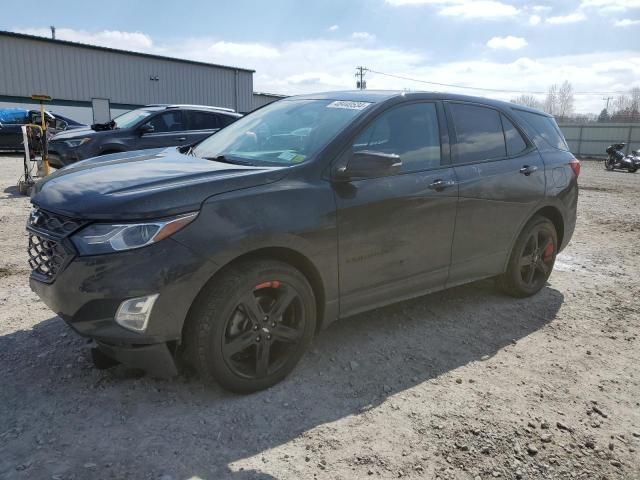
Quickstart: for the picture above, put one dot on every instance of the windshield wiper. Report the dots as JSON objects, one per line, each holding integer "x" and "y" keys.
{"x": 223, "y": 159}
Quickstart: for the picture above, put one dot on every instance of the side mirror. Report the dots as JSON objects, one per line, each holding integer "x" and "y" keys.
{"x": 146, "y": 128}
{"x": 369, "y": 164}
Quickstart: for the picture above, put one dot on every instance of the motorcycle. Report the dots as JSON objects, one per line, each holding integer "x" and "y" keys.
{"x": 617, "y": 160}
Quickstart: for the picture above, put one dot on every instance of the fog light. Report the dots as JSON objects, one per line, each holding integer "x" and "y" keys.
{"x": 134, "y": 313}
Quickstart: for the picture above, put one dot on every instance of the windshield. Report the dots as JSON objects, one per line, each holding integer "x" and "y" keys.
{"x": 286, "y": 132}
{"x": 129, "y": 119}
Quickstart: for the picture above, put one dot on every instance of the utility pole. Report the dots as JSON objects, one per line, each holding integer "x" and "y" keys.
{"x": 607, "y": 100}
{"x": 360, "y": 73}
{"x": 53, "y": 32}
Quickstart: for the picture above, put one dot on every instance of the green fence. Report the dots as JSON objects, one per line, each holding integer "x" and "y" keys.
{"x": 591, "y": 140}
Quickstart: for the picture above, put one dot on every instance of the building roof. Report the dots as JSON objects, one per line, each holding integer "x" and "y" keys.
{"x": 4, "y": 33}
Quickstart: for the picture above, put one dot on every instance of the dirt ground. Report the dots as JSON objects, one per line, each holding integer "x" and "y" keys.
{"x": 463, "y": 384}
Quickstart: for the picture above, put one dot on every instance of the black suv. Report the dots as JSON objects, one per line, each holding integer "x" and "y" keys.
{"x": 153, "y": 126}
{"x": 233, "y": 254}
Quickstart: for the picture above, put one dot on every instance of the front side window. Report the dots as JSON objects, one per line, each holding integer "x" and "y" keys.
{"x": 410, "y": 131}
{"x": 478, "y": 133}
{"x": 287, "y": 132}
{"x": 170, "y": 121}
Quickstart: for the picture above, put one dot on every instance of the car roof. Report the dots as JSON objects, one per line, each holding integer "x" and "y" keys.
{"x": 164, "y": 106}
{"x": 377, "y": 96}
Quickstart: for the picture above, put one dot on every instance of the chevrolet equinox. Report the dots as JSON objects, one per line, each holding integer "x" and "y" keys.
{"x": 231, "y": 254}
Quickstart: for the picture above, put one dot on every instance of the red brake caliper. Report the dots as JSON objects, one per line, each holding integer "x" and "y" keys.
{"x": 272, "y": 284}
{"x": 548, "y": 252}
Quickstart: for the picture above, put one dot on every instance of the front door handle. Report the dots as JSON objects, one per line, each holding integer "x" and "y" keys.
{"x": 527, "y": 170}
{"x": 439, "y": 185}
{"x": 182, "y": 139}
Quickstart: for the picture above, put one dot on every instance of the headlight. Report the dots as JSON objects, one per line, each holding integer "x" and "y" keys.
{"x": 77, "y": 142}
{"x": 100, "y": 238}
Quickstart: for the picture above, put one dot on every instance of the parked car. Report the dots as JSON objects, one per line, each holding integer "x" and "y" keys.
{"x": 12, "y": 120}
{"x": 233, "y": 254}
{"x": 152, "y": 126}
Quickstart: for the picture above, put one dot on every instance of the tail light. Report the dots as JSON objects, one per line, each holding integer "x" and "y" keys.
{"x": 575, "y": 166}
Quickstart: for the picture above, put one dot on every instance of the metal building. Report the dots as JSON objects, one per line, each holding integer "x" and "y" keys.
{"x": 89, "y": 82}
{"x": 261, "y": 99}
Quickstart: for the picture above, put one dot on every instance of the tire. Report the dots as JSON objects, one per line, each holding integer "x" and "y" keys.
{"x": 530, "y": 264}
{"x": 608, "y": 166}
{"x": 632, "y": 170}
{"x": 226, "y": 341}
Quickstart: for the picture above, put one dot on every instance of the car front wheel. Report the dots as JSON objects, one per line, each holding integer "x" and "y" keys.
{"x": 250, "y": 327}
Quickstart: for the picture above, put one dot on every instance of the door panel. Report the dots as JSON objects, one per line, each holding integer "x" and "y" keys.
{"x": 395, "y": 232}
{"x": 495, "y": 197}
{"x": 395, "y": 237}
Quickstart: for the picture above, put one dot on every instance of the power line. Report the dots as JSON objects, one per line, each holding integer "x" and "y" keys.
{"x": 496, "y": 90}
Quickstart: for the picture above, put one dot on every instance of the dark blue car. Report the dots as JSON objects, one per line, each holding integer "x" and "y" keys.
{"x": 12, "y": 120}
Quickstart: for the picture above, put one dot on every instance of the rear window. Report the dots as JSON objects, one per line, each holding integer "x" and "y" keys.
{"x": 546, "y": 127}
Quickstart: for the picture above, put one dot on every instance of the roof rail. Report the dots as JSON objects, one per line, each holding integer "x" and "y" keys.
{"x": 179, "y": 105}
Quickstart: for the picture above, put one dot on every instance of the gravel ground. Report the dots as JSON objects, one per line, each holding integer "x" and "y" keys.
{"x": 464, "y": 384}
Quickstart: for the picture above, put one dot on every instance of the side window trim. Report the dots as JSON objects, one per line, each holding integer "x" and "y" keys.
{"x": 454, "y": 140}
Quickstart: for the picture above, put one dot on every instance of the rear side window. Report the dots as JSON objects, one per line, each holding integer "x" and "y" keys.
{"x": 478, "y": 133}
{"x": 410, "y": 131}
{"x": 202, "y": 120}
{"x": 546, "y": 127}
{"x": 515, "y": 142}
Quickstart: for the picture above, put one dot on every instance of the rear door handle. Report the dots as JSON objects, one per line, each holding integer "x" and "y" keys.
{"x": 182, "y": 139}
{"x": 439, "y": 185}
{"x": 527, "y": 170}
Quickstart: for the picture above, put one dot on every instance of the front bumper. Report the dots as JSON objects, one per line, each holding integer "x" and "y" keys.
{"x": 87, "y": 292}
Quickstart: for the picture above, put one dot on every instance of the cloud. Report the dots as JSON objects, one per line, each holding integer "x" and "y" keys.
{"x": 626, "y": 23}
{"x": 247, "y": 50}
{"x": 333, "y": 28}
{"x": 105, "y": 38}
{"x": 321, "y": 64}
{"x": 534, "y": 19}
{"x": 363, "y": 36}
{"x": 540, "y": 8}
{"x": 610, "y": 5}
{"x": 570, "y": 18}
{"x": 509, "y": 42}
{"x": 467, "y": 9}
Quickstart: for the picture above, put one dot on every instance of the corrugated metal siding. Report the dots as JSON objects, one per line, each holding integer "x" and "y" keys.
{"x": 261, "y": 99}
{"x": 593, "y": 139}
{"x": 70, "y": 72}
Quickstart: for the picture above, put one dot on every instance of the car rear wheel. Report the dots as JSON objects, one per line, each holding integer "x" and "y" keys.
{"x": 251, "y": 326}
{"x": 532, "y": 259}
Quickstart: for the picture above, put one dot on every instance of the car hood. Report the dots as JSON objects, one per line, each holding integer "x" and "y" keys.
{"x": 143, "y": 184}
{"x": 75, "y": 132}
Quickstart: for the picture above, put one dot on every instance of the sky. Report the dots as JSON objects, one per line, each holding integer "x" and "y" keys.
{"x": 310, "y": 46}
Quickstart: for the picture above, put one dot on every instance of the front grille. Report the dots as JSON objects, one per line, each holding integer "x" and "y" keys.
{"x": 46, "y": 257}
{"x": 49, "y": 249}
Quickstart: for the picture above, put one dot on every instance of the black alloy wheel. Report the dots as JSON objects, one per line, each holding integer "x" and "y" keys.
{"x": 532, "y": 259}
{"x": 251, "y": 325}
{"x": 263, "y": 330}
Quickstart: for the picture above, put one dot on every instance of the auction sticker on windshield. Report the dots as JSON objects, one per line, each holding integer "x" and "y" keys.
{"x": 349, "y": 105}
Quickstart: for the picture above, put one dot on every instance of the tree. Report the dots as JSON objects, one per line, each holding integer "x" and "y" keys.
{"x": 527, "y": 101}
{"x": 604, "y": 116}
{"x": 565, "y": 100}
{"x": 551, "y": 101}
